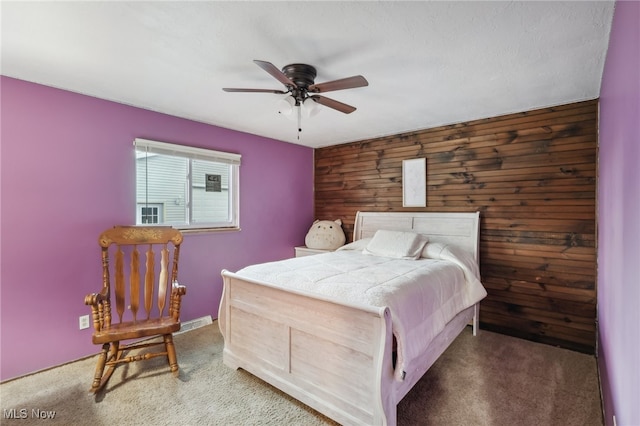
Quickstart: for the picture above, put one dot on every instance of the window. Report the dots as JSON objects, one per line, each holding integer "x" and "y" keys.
{"x": 186, "y": 187}
{"x": 149, "y": 213}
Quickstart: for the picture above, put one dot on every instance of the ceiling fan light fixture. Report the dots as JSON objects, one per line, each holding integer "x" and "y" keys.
{"x": 310, "y": 107}
{"x": 286, "y": 106}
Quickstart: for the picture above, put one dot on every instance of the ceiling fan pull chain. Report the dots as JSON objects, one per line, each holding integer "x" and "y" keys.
{"x": 299, "y": 108}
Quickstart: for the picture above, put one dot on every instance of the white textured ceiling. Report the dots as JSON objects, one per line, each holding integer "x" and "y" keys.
{"x": 427, "y": 63}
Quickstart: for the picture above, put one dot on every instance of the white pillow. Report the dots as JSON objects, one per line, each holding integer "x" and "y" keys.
{"x": 396, "y": 244}
{"x": 433, "y": 250}
{"x": 356, "y": 245}
{"x": 463, "y": 258}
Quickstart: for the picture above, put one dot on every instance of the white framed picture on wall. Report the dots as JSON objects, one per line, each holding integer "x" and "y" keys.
{"x": 414, "y": 182}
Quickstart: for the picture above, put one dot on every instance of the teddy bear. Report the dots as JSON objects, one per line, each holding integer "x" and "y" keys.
{"x": 325, "y": 235}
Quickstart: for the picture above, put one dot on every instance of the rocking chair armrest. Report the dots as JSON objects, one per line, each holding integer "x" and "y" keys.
{"x": 178, "y": 289}
{"x": 100, "y": 310}
{"x": 94, "y": 299}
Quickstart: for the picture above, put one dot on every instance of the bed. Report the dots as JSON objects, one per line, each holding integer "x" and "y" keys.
{"x": 350, "y": 356}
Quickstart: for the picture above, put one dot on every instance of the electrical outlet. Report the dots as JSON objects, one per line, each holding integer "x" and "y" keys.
{"x": 84, "y": 322}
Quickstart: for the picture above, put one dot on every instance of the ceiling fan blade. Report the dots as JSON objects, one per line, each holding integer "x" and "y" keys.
{"x": 343, "y": 83}
{"x": 275, "y": 72}
{"x": 231, "y": 89}
{"x": 331, "y": 103}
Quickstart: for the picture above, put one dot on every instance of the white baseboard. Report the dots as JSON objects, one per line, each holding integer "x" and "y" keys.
{"x": 195, "y": 323}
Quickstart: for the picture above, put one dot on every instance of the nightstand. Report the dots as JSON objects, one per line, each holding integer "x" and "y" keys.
{"x": 306, "y": 251}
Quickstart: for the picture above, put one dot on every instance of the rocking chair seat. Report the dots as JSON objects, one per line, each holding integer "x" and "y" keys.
{"x": 132, "y": 330}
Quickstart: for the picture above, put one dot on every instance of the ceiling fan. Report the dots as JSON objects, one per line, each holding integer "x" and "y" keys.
{"x": 298, "y": 80}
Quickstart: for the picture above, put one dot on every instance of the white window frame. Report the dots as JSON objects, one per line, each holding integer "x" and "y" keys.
{"x": 193, "y": 153}
{"x": 139, "y": 214}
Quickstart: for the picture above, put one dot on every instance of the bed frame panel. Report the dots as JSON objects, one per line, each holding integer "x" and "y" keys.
{"x": 335, "y": 357}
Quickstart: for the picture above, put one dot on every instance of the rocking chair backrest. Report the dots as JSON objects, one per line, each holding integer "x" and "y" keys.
{"x": 143, "y": 265}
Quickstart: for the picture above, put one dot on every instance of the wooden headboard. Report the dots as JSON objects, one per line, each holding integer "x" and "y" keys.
{"x": 458, "y": 229}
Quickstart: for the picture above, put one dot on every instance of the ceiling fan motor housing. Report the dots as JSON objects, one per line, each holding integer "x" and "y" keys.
{"x": 302, "y": 75}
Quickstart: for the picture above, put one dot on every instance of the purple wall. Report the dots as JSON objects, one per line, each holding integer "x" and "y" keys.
{"x": 67, "y": 168}
{"x": 619, "y": 220}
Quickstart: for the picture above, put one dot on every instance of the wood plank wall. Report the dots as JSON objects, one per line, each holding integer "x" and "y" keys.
{"x": 532, "y": 175}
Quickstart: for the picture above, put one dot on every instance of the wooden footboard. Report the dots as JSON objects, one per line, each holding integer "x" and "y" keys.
{"x": 334, "y": 357}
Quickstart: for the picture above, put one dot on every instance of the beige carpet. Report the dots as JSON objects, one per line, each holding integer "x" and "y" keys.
{"x": 487, "y": 380}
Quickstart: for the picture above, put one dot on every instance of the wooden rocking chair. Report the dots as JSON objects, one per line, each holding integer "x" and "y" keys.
{"x": 127, "y": 242}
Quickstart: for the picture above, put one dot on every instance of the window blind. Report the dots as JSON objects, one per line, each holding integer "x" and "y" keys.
{"x": 190, "y": 152}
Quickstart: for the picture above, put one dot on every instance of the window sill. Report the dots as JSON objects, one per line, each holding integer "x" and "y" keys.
{"x": 207, "y": 230}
